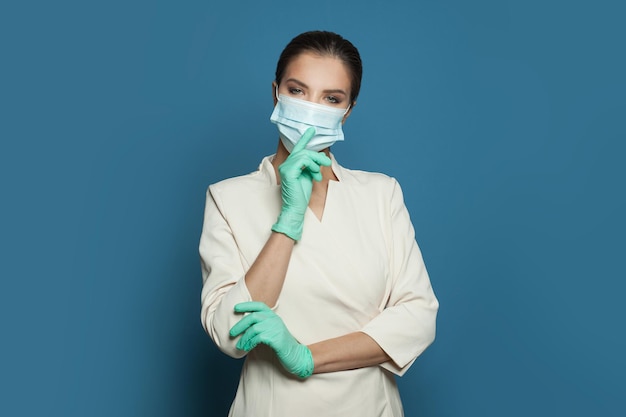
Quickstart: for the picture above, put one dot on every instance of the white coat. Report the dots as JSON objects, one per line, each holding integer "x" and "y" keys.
{"x": 358, "y": 269}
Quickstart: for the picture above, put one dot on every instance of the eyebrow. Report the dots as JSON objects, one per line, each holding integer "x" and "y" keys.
{"x": 300, "y": 83}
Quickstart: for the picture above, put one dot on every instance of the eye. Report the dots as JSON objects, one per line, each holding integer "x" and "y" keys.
{"x": 333, "y": 99}
{"x": 294, "y": 90}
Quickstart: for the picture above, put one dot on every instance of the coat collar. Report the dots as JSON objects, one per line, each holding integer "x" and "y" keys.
{"x": 267, "y": 169}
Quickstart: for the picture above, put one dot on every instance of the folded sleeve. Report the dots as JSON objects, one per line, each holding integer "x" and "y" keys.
{"x": 222, "y": 276}
{"x": 406, "y": 325}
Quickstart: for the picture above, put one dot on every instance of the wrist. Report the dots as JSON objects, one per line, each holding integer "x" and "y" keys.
{"x": 307, "y": 366}
{"x": 290, "y": 224}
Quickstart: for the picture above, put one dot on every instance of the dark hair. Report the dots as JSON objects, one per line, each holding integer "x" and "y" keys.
{"x": 325, "y": 44}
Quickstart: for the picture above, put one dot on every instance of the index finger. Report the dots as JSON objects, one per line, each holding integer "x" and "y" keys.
{"x": 244, "y": 324}
{"x": 250, "y": 306}
{"x": 304, "y": 139}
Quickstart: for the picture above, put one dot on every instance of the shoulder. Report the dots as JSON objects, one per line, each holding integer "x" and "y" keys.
{"x": 239, "y": 183}
{"x": 374, "y": 186}
{"x": 374, "y": 181}
{"x": 244, "y": 184}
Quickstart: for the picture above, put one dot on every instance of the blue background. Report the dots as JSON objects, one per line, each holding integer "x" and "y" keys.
{"x": 502, "y": 120}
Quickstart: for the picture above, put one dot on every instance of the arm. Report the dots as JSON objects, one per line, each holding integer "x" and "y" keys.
{"x": 265, "y": 277}
{"x": 354, "y": 350}
{"x": 222, "y": 273}
{"x": 406, "y": 325}
{"x": 267, "y": 274}
{"x": 225, "y": 279}
{"x": 262, "y": 325}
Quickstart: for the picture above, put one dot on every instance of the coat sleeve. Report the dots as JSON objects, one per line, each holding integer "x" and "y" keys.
{"x": 222, "y": 276}
{"x": 406, "y": 325}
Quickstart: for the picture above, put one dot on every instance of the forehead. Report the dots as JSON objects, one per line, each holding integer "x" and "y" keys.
{"x": 321, "y": 71}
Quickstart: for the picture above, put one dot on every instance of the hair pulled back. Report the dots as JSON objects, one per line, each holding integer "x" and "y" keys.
{"x": 324, "y": 43}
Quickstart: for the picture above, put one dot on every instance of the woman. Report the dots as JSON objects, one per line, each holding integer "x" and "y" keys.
{"x": 311, "y": 269}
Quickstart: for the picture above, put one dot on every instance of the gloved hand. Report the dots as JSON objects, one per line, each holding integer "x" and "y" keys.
{"x": 262, "y": 325}
{"x": 297, "y": 174}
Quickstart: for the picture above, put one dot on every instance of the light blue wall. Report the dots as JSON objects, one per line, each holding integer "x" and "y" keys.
{"x": 502, "y": 120}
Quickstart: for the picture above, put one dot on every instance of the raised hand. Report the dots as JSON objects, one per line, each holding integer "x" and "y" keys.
{"x": 297, "y": 174}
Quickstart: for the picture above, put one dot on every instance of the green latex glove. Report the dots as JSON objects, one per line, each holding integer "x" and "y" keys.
{"x": 297, "y": 174}
{"x": 262, "y": 325}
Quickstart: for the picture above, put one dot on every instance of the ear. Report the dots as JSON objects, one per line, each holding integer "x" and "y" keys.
{"x": 345, "y": 116}
{"x": 274, "y": 92}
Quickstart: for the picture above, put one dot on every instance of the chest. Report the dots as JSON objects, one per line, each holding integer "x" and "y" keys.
{"x": 342, "y": 259}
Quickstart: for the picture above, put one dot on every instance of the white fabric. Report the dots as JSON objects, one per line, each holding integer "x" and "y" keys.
{"x": 358, "y": 269}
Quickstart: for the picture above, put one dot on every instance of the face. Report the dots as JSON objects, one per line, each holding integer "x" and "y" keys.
{"x": 318, "y": 79}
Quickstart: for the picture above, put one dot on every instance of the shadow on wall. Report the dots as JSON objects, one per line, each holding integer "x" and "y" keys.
{"x": 205, "y": 379}
{"x": 213, "y": 379}
{"x": 209, "y": 377}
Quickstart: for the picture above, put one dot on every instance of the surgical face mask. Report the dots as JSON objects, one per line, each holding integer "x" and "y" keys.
{"x": 294, "y": 116}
